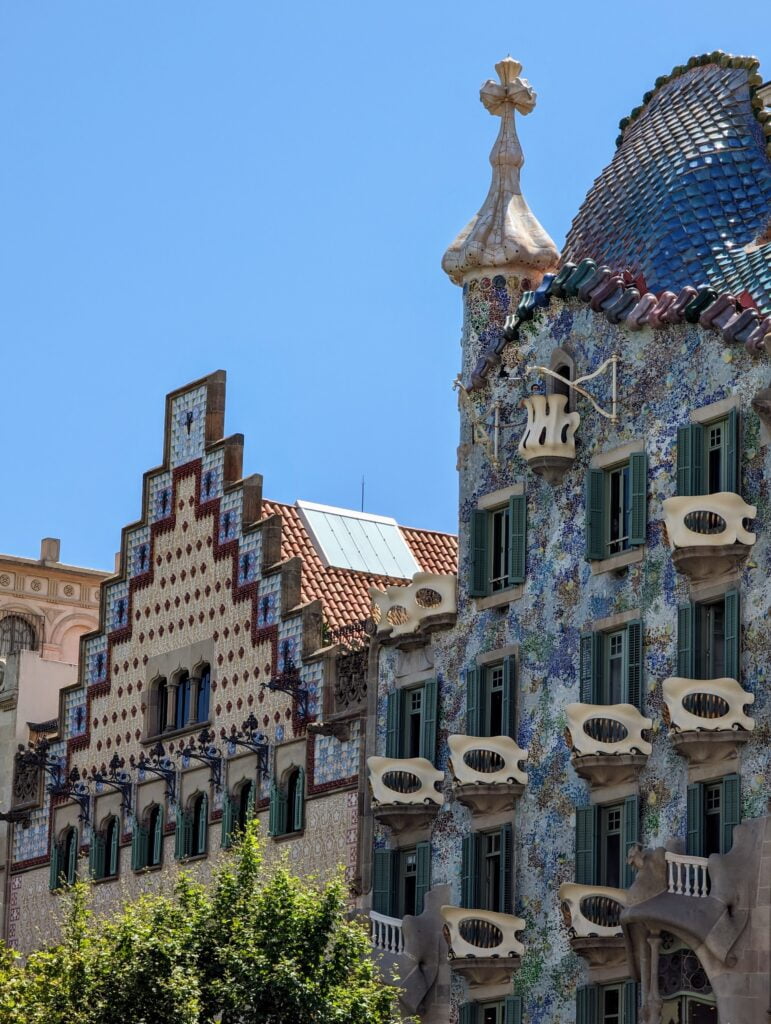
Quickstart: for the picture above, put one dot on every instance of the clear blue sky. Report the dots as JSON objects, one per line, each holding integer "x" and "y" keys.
{"x": 268, "y": 189}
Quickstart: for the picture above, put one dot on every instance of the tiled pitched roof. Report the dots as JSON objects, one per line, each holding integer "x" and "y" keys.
{"x": 344, "y": 594}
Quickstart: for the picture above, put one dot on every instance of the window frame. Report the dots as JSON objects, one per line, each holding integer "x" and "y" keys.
{"x": 512, "y": 550}
{"x": 730, "y": 814}
{"x": 589, "y": 840}
{"x": 594, "y": 664}
{"x": 397, "y": 724}
{"x": 479, "y": 698}
{"x": 689, "y": 660}
{"x": 598, "y": 507}
{"x": 694, "y": 449}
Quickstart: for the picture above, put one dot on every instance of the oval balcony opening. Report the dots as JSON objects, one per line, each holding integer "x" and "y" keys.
{"x": 480, "y": 933}
{"x": 428, "y": 598}
{"x": 602, "y": 911}
{"x": 397, "y": 615}
{"x": 706, "y": 705}
{"x": 401, "y": 782}
{"x": 605, "y": 730}
{"x": 705, "y": 522}
{"x": 485, "y": 761}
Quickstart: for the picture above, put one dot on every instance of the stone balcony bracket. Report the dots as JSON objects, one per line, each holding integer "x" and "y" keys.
{"x": 607, "y": 742}
{"x": 706, "y": 717}
{"x": 487, "y": 773}
{"x": 429, "y": 602}
{"x": 404, "y": 791}
{"x": 592, "y": 915}
{"x": 548, "y": 443}
{"x": 707, "y": 534}
{"x": 483, "y": 945}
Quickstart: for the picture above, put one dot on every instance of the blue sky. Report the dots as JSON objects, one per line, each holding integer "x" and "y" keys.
{"x": 268, "y": 189}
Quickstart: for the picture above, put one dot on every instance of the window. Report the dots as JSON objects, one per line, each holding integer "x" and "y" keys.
{"x": 713, "y": 812}
{"x": 147, "y": 840}
{"x": 237, "y": 812}
{"x": 504, "y": 1011}
{"x": 498, "y": 546}
{"x": 64, "y": 860}
{"x": 708, "y": 635}
{"x": 411, "y": 721}
{"x": 487, "y": 870}
{"x": 708, "y": 460}
{"x": 160, "y": 705}
{"x": 616, "y": 508}
{"x": 611, "y": 666}
{"x": 491, "y": 700}
{"x": 16, "y": 634}
{"x": 607, "y": 1004}
{"x": 603, "y": 837}
{"x": 202, "y": 695}
{"x": 191, "y": 829}
{"x": 103, "y": 853}
{"x": 182, "y": 700}
{"x": 401, "y": 879}
{"x": 287, "y": 804}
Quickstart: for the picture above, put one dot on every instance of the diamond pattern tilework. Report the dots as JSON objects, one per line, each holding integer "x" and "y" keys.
{"x": 96, "y": 659}
{"x": 159, "y": 497}
{"x": 230, "y": 515}
{"x": 211, "y": 475}
{"x": 75, "y": 713}
{"x": 117, "y": 605}
{"x": 188, "y": 426}
{"x": 138, "y": 545}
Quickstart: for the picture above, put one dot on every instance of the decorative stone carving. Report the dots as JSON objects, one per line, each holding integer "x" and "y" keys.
{"x": 607, "y": 742}
{"x": 404, "y": 791}
{"x": 486, "y": 772}
{"x": 351, "y": 679}
{"x": 707, "y": 533}
{"x": 430, "y": 600}
{"x": 548, "y": 443}
{"x": 592, "y": 910}
{"x": 483, "y": 945}
{"x": 27, "y": 780}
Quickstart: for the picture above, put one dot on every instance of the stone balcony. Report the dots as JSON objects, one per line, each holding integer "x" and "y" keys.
{"x": 404, "y": 793}
{"x": 483, "y": 944}
{"x": 707, "y": 534}
{"x": 429, "y": 602}
{"x": 706, "y": 717}
{"x": 548, "y": 443}
{"x": 487, "y": 772}
{"x": 592, "y": 915}
{"x": 607, "y": 742}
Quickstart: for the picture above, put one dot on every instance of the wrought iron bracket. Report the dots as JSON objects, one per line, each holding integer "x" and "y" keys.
{"x": 206, "y": 753}
{"x": 160, "y": 764}
{"x": 251, "y": 738}
{"x": 71, "y": 787}
{"x": 116, "y": 777}
{"x": 289, "y": 682}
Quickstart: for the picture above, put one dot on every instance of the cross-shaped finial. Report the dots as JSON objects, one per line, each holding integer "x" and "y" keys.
{"x": 512, "y": 91}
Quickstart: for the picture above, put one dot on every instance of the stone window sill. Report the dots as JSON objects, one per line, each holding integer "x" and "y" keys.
{"x": 617, "y": 562}
{"x": 289, "y": 835}
{"x": 170, "y": 734}
{"x": 503, "y": 597}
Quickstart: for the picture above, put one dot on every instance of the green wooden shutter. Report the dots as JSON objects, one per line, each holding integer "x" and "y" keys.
{"x": 112, "y": 863}
{"x": 468, "y": 1013}
{"x": 179, "y": 835}
{"x": 638, "y": 480}
{"x": 695, "y": 834}
{"x": 690, "y": 460}
{"x": 686, "y": 640}
{"x": 228, "y": 809}
{"x": 587, "y": 1004}
{"x": 383, "y": 877}
{"x": 298, "y": 811}
{"x": 512, "y": 1010}
{"x": 428, "y": 720}
{"x": 423, "y": 875}
{"x": 509, "y": 702}
{"x": 730, "y": 810}
{"x": 468, "y": 871}
{"x": 507, "y": 869}
{"x": 72, "y": 862}
{"x": 273, "y": 810}
{"x": 158, "y": 838}
{"x": 630, "y": 1002}
{"x": 634, "y": 664}
{"x": 517, "y": 538}
{"x": 595, "y": 514}
{"x": 480, "y": 573}
{"x": 55, "y": 866}
{"x": 590, "y": 668}
{"x": 96, "y": 856}
{"x": 394, "y": 719}
{"x": 586, "y": 844}
{"x": 474, "y": 701}
{"x": 187, "y": 833}
{"x": 732, "y": 635}
{"x": 138, "y": 847}
{"x": 731, "y": 468}
{"x": 630, "y": 834}
{"x": 203, "y": 829}
{"x": 250, "y": 800}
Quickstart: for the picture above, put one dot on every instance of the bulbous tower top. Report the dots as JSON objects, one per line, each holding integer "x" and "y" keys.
{"x": 505, "y": 235}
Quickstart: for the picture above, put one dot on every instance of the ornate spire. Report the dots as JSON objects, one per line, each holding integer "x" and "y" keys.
{"x": 504, "y": 235}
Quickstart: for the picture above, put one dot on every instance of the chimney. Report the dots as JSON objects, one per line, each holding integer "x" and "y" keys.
{"x": 49, "y": 549}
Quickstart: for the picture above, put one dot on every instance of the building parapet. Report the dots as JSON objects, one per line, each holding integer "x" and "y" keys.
{"x": 402, "y": 610}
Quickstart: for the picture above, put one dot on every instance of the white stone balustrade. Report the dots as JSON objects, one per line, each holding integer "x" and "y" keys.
{"x": 706, "y": 513}
{"x": 592, "y": 910}
{"x": 687, "y": 876}
{"x": 482, "y": 933}
{"x": 486, "y": 760}
{"x": 550, "y": 430}
{"x": 402, "y": 609}
{"x": 607, "y": 729}
{"x": 404, "y": 780}
{"x": 386, "y": 933}
{"x": 712, "y": 705}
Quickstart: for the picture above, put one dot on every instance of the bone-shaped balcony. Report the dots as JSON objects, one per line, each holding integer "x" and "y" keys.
{"x": 404, "y": 793}
{"x": 706, "y": 717}
{"x": 707, "y": 533}
{"x": 487, "y": 772}
{"x": 428, "y": 602}
{"x": 483, "y": 944}
{"x": 592, "y": 915}
{"x": 607, "y": 742}
{"x": 548, "y": 443}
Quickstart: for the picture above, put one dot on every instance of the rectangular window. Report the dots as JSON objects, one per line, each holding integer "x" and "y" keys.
{"x": 408, "y": 879}
{"x": 603, "y": 838}
{"x": 491, "y": 871}
{"x": 487, "y": 870}
{"x": 411, "y": 721}
{"x": 499, "y": 550}
{"x": 610, "y": 846}
{"x": 491, "y": 700}
{"x": 710, "y": 631}
{"x": 611, "y": 1007}
{"x": 713, "y": 813}
{"x": 400, "y": 880}
{"x": 708, "y": 456}
{"x": 615, "y": 647}
{"x": 708, "y": 636}
{"x": 616, "y": 507}
{"x": 619, "y": 510}
{"x": 607, "y": 1004}
{"x": 492, "y": 1013}
{"x": 494, "y": 701}
{"x": 611, "y": 666}
{"x": 498, "y": 547}
{"x": 507, "y": 1011}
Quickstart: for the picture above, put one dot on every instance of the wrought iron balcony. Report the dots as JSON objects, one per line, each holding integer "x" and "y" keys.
{"x": 706, "y": 717}
{"x": 707, "y": 533}
{"x": 386, "y": 933}
{"x": 404, "y": 791}
{"x": 487, "y": 772}
{"x": 548, "y": 443}
{"x": 592, "y": 915}
{"x": 483, "y": 944}
{"x": 607, "y": 741}
{"x": 428, "y": 601}
{"x": 686, "y": 875}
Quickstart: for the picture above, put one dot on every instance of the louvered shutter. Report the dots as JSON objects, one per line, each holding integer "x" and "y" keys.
{"x": 179, "y": 835}
{"x": 695, "y": 834}
{"x": 187, "y": 835}
{"x": 730, "y": 810}
{"x": 423, "y": 875}
{"x": 273, "y": 810}
{"x": 630, "y": 835}
{"x": 507, "y": 869}
{"x": 587, "y": 1004}
{"x": 731, "y": 454}
{"x": 633, "y": 669}
{"x": 250, "y": 801}
{"x": 138, "y": 847}
{"x": 517, "y": 538}
{"x": 228, "y": 811}
{"x": 630, "y": 1002}
{"x": 383, "y": 877}
{"x": 474, "y": 701}
{"x": 468, "y": 1013}
{"x": 512, "y": 1010}
{"x": 203, "y": 827}
{"x": 732, "y": 635}
{"x": 686, "y": 641}
{"x": 72, "y": 860}
{"x": 428, "y": 720}
{"x": 638, "y": 480}
{"x": 479, "y": 570}
{"x": 590, "y": 668}
{"x": 469, "y": 871}
{"x": 112, "y": 853}
{"x": 690, "y": 460}
{"x": 157, "y": 838}
{"x": 586, "y": 839}
{"x": 55, "y": 866}
{"x": 298, "y": 811}
{"x": 509, "y": 702}
{"x": 595, "y": 514}
{"x": 394, "y": 719}
{"x": 96, "y": 856}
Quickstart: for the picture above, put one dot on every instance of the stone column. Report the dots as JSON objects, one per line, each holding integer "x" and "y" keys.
{"x": 195, "y": 683}
{"x": 654, "y": 999}
{"x": 171, "y": 699}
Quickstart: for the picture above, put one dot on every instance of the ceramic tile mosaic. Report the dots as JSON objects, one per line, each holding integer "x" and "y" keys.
{"x": 188, "y": 426}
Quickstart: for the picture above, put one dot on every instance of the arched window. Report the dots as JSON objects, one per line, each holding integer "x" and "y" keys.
{"x": 245, "y": 805}
{"x": 192, "y": 827}
{"x": 182, "y": 701}
{"x": 287, "y": 805}
{"x": 103, "y": 854}
{"x": 147, "y": 839}
{"x": 202, "y": 696}
{"x": 16, "y": 634}
{"x": 161, "y": 700}
{"x": 64, "y": 859}
{"x": 558, "y": 386}
{"x": 237, "y": 811}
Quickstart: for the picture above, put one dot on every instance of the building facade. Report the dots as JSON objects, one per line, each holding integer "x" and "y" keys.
{"x": 570, "y": 780}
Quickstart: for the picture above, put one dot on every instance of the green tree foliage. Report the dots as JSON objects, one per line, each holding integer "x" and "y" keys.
{"x": 259, "y": 947}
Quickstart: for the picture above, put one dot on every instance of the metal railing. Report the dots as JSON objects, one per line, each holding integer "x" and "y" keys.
{"x": 386, "y": 933}
{"x": 686, "y": 875}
